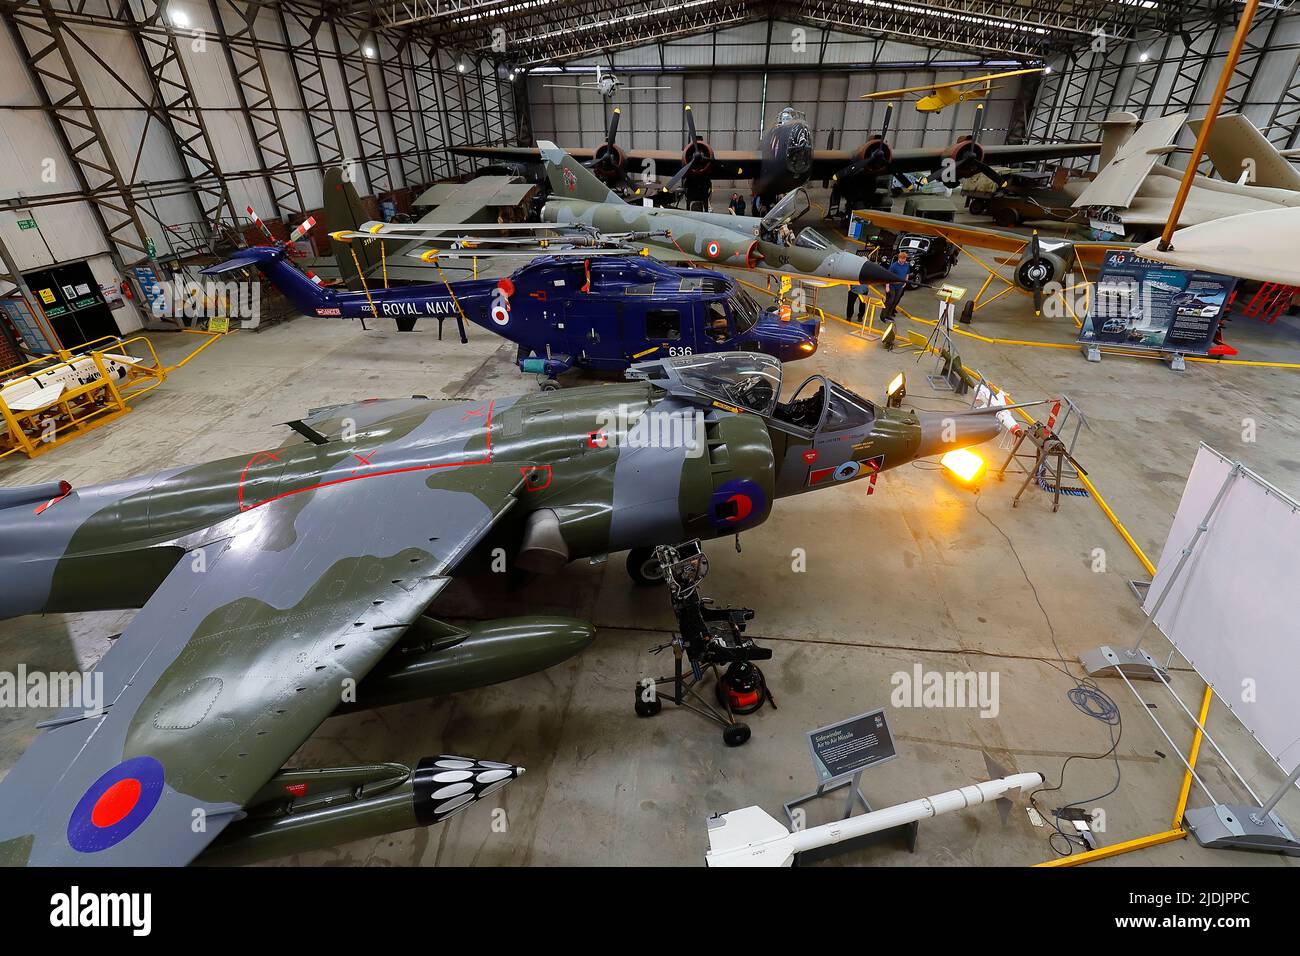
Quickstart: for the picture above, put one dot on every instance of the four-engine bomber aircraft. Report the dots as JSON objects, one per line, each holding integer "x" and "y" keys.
{"x": 787, "y": 158}
{"x": 270, "y": 583}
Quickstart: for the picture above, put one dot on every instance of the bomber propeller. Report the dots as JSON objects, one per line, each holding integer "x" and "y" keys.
{"x": 965, "y": 158}
{"x": 609, "y": 160}
{"x": 695, "y": 160}
{"x": 875, "y": 155}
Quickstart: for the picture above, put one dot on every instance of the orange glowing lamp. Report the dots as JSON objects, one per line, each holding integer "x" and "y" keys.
{"x": 963, "y": 463}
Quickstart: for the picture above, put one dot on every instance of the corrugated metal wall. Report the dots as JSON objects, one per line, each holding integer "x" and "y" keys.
{"x": 1161, "y": 74}
{"x": 732, "y": 108}
{"x": 389, "y": 111}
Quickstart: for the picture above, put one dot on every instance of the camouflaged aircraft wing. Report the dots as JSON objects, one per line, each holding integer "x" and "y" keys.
{"x": 244, "y": 649}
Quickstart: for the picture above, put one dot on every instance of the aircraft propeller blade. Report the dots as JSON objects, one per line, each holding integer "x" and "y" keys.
{"x": 978, "y": 128}
{"x": 613, "y": 126}
{"x": 884, "y": 127}
{"x": 697, "y": 158}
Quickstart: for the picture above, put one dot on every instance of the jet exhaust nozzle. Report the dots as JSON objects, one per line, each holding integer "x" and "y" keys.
{"x": 944, "y": 432}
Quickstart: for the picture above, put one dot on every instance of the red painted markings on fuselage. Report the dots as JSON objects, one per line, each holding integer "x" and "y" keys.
{"x": 482, "y": 411}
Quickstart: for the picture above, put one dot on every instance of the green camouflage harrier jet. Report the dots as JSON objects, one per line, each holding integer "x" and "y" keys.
{"x": 280, "y": 587}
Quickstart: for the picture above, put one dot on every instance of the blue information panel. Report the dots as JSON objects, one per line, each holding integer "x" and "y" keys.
{"x": 1139, "y": 303}
{"x": 24, "y": 325}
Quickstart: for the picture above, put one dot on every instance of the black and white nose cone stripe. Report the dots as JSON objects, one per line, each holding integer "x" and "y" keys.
{"x": 447, "y": 784}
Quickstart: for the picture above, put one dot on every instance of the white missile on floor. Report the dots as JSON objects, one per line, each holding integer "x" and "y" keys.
{"x": 38, "y": 390}
{"x": 750, "y": 837}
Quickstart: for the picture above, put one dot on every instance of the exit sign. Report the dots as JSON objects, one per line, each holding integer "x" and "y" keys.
{"x": 26, "y": 223}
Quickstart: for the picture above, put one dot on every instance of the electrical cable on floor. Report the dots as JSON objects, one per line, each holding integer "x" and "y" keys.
{"x": 1087, "y": 698}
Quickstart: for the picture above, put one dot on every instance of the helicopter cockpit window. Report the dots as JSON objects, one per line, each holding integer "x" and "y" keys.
{"x": 746, "y": 379}
{"x": 715, "y": 323}
{"x": 847, "y": 410}
{"x": 744, "y": 311}
{"x": 810, "y": 238}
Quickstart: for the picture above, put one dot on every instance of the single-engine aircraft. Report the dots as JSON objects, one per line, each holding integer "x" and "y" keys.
{"x": 601, "y": 313}
{"x": 270, "y": 582}
{"x": 940, "y": 95}
{"x": 606, "y": 84}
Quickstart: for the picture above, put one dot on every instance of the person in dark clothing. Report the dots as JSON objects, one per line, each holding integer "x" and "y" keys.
{"x": 737, "y": 204}
{"x": 895, "y": 290}
{"x": 857, "y": 302}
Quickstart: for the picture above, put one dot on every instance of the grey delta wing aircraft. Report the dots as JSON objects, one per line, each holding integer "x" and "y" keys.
{"x": 269, "y": 582}
{"x": 723, "y": 239}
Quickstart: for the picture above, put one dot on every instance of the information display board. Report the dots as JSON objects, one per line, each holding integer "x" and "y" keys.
{"x": 842, "y": 749}
{"x": 25, "y": 326}
{"x": 1138, "y": 303}
{"x": 1231, "y": 610}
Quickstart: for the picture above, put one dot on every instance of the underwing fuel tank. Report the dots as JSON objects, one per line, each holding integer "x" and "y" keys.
{"x": 301, "y": 810}
{"x": 437, "y": 658}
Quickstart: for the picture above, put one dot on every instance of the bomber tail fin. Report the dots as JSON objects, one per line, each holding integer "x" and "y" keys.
{"x": 344, "y": 210}
{"x": 572, "y": 180}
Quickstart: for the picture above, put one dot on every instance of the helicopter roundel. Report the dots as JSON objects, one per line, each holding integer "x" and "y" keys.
{"x": 713, "y": 250}
{"x": 500, "y": 311}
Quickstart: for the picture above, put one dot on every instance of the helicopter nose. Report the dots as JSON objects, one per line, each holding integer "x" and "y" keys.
{"x": 942, "y": 433}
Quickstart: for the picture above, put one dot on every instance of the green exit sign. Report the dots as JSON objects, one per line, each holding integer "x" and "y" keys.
{"x": 26, "y": 223}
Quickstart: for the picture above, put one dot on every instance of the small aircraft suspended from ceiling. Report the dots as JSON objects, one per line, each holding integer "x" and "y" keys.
{"x": 939, "y": 95}
{"x": 606, "y": 83}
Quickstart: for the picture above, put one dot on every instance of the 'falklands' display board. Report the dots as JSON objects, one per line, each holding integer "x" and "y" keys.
{"x": 1139, "y": 303}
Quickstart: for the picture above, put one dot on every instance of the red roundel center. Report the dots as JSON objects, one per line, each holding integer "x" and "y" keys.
{"x": 744, "y": 507}
{"x": 116, "y": 802}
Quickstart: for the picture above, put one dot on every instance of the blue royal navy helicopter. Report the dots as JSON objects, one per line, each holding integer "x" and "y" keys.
{"x": 602, "y": 313}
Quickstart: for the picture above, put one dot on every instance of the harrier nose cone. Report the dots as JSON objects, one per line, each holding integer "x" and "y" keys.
{"x": 941, "y": 433}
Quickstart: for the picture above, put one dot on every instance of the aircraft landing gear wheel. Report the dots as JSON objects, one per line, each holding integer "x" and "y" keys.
{"x": 550, "y": 385}
{"x": 643, "y": 568}
{"x": 735, "y": 735}
{"x": 647, "y": 708}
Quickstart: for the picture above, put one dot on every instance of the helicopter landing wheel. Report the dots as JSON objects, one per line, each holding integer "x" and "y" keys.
{"x": 550, "y": 385}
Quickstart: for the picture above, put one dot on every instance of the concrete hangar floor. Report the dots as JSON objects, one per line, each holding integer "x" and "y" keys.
{"x": 921, "y": 573}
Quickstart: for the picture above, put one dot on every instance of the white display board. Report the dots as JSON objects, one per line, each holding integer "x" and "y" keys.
{"x": 1234, "y": 611}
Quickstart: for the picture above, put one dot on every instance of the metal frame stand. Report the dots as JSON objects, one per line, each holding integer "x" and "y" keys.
{"x": 684, "y": 692}
{"x": 1234, "y": 826}
{"x": 908, "y": 831}
{"x": 1134, "y": 662}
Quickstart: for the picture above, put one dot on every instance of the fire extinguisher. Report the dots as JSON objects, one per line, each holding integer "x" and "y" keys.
{"x": 126, "y": 291}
